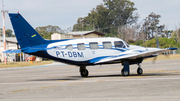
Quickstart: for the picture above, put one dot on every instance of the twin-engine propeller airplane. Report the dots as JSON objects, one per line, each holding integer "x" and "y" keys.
{"x": 81, "y": 52}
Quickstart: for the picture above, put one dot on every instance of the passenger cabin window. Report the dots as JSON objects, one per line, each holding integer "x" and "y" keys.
{"x": 107, "y": 45}
{"x": 94, "y": 45}
{"x": 119, "y": 44}
{"x": 81, "y": 46}
{"x": 69, "y": 47}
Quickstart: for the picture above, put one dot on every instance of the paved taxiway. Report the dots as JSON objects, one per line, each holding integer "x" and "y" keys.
{"x": 160, "y": 82}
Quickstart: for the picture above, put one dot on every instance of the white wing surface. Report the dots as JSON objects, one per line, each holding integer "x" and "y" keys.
{"x": 134, "y": 54}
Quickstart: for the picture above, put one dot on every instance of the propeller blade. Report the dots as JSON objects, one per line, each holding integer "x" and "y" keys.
{"x": 154, "y": 60}
{"x": 157, "y": 42}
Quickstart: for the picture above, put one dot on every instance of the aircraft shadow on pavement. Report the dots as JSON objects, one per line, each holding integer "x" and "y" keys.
{"x": 67, "y": 79}
{"x": 131, "y": 75}
{"x": 73, "y": 78}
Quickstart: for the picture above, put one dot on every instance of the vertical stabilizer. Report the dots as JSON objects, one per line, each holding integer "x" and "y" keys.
{"x": 25, "y": 33}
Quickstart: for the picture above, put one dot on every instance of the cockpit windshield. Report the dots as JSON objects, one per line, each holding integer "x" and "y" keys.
{"x": 126, "y": 44}
{"x": 120, "y": 44}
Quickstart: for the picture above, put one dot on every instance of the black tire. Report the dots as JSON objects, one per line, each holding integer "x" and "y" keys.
{"x": 140, "y": 71}
{"x": 84, "y": 73}
{"x": 124, "y": 73}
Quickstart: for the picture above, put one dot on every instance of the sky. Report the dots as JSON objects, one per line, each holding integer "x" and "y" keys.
{"x": 64, "y": 13}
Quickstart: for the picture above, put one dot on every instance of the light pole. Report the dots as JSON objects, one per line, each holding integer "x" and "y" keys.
{"x": 4, "y": 32}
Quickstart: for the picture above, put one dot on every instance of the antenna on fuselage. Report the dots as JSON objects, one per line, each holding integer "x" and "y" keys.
{"x": 82, "y": 36}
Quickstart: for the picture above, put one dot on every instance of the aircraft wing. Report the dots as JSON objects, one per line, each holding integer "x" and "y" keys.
{"x": 131, "y": 55}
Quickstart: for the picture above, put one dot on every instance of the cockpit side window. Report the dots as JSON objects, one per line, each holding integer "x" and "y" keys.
{"x": 119, "y": 44}
{"x": 69, "y": 47}
{"x": 107, "y": 45}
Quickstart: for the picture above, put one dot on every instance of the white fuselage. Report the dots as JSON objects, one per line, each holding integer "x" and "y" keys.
{"x": 92, "y": 48}
{"x": 87, "y": 53}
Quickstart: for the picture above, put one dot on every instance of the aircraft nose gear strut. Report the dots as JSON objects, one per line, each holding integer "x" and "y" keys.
{"x": 83, "y": 71}
{"x": 139, "y": 70}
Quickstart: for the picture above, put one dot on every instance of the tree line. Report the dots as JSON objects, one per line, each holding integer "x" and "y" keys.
{"x": 118, "y": 18}
{"x": 44, "y": 31}
{"x": 115, "y": 17}
{"x": 107, "y": 17}
{"x": 9, "y": 33}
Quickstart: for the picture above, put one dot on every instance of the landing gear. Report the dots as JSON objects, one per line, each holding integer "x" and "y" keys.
{"x": 139, "y": 70}
{"x": 83, "y": 71}
{"x": 125, "y": 71}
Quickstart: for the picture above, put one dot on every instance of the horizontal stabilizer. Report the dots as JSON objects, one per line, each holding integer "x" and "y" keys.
{"x": 30, "y": 49}
{"x": 35, "y": 49}
{"x": 12, "y": 51}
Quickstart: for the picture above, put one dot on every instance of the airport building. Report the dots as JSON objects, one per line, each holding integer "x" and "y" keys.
{"x": 11, "y": 43}
{"x": 79, "y": 34}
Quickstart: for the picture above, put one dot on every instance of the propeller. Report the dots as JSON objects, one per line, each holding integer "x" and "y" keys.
{"x": 154, "y": 60}
{"x": 157, "y": 44}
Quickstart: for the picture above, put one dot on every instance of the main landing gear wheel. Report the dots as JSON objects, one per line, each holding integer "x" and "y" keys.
{"x": 124, "y": 73}
{"x": 140, "y": 71}
{"x": 84, "y": 73}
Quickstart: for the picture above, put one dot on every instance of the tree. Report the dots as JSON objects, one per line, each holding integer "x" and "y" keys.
{"x": 176, "y": 35}
{"x": 46, "y": 31}
{"x": 150, "y": 25}
{"x": 9, "y": 33}
{"x": 128, "y": 33}
{"x": 79, "y": 25}
{"x": 142, "y": 36}
{"x": 163, "y": 42}
{"x": 108, "y": 17}
{"x": 121, "y": 12}
{"x": 167, "y": 33}
{"x": 97, "y": 19}
{"x": 1, "y": 32}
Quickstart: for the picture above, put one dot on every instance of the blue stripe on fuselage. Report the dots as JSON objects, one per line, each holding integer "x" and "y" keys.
{"x": 103, "y": 57}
